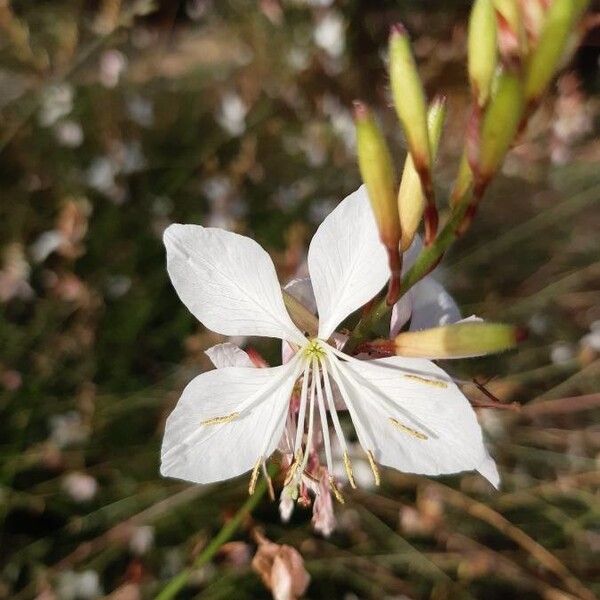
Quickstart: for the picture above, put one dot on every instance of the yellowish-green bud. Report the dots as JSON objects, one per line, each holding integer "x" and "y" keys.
{"x": 409, "y": 99}
{"x": 411, "y": 200}
{"x": 500, "y": 124}
{"x": 544, "y": 60}
{"x": 482, "y": 49}
{"x": 377, "y": 172}
{"x": 461, "y": 340}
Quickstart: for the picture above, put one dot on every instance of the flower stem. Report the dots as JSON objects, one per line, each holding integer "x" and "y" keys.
{"x": 175, "y": 585}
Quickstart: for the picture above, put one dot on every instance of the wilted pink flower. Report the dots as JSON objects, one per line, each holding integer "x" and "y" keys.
{"x": 281, "y": 569}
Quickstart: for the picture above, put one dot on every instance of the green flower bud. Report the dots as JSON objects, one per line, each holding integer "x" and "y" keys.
{"x": 377, "y": 171}
{"x": 461, "y": 340}
{"x": 500, "y": 124}
{"x": 464, "y": 181}
{"x": 411, "y": 200}
{"x": 482, "y": 49}
{"x": 544, "y": 60}
{"x": 409, "y": 99}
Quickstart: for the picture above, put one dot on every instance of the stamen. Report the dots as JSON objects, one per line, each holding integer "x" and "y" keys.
{"x": 348, "y": 467}
{"x": 293, "y": 468}
{"x": 220, "y": 420}
{"x": 374, "y": 467}
{"x": 311, "y": 420}
{"x": 266, "y": 475}
{"x": 336, "y": 491}
{"x": 302, "y": 409}
{"x": 332, "y": 410}
{"x": 433, "y": 382}
{"x": 406, "y": 429}
{"x": 254, "y": 477}
{"x": 323, "y": 414}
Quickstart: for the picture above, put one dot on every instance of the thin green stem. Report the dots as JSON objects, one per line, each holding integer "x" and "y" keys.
{"x": 425, "y": 262}
{"x": 179, "y": 581}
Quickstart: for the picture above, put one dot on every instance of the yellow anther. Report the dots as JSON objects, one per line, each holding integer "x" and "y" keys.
{"x": 348, "y": 467}
{"x": 254, "y": 477}
{"x": 336, "y": 491}
{"x": 433, "y": 382}
{"x": 293, "y": 468}
{"x": 374, "y": 467}
{"x": 220, "y": 420}
{"x": 406, "y": 429}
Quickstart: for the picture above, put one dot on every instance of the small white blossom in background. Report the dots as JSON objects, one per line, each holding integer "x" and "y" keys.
{"x": 112, "y": 66}
{"x": 196, "y": 9}
{"x": 56, "y": 103}
{"x": 69, "y": 134}
{"x": 14, "y": 275}
{"x": 329, "y": 34}
{"x": 78, "y": 586}
{"x": 67, "y": 429}
{"x": 47, "y": 243}
{"x": 81, "y": 487}
{"x": 592, "y": 339}
{"x": 562, "y": 353}
{"x": 142, "y": 539}
{"x": 117, "y": 286}
{"x": 141, "y": 111}
{"x": 231, "y": 114}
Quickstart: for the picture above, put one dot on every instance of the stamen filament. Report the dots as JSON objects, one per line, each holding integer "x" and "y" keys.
{"x": 302, "y": 410}
{"x": 332, "y": 410}
{"x": 311, "y": 420}
{"x": 293, "y": 467}
{"x": 323, "y": 415}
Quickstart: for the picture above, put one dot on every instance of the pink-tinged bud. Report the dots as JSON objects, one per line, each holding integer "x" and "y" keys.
{"x": 482, "y": 49}
{"x": 499, "y": 127}
{"x": 559, "y": 23}
{"x": 534, "y": 13}
{"x": 512, "y": 39}
{"x": 411, "y": 199}
{"x": 409, "y": 99}
{"x": 460, "y": 340}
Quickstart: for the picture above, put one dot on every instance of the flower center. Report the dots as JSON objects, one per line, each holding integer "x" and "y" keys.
{"x": 314, "y": 349}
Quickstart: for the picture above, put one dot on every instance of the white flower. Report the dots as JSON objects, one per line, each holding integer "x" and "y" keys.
{"x": 407, "y": 413}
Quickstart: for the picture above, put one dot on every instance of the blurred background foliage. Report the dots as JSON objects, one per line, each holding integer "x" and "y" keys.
{"x": 118, "y": 118}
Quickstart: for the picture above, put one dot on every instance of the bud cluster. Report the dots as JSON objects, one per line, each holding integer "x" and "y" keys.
{"x": 514, "y": 49}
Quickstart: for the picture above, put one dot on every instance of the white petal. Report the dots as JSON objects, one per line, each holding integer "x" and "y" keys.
{"x": 394, "y": 388}
{"x": 228, "y": 355}
{"x": 432, "y": 305}
{"x": 346, "y": 261}
{"x": 228, "y": 282}
{"x": 489, "y": 470}
{"x": 401, "y": 313}
{"x": 208, "y": 453}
